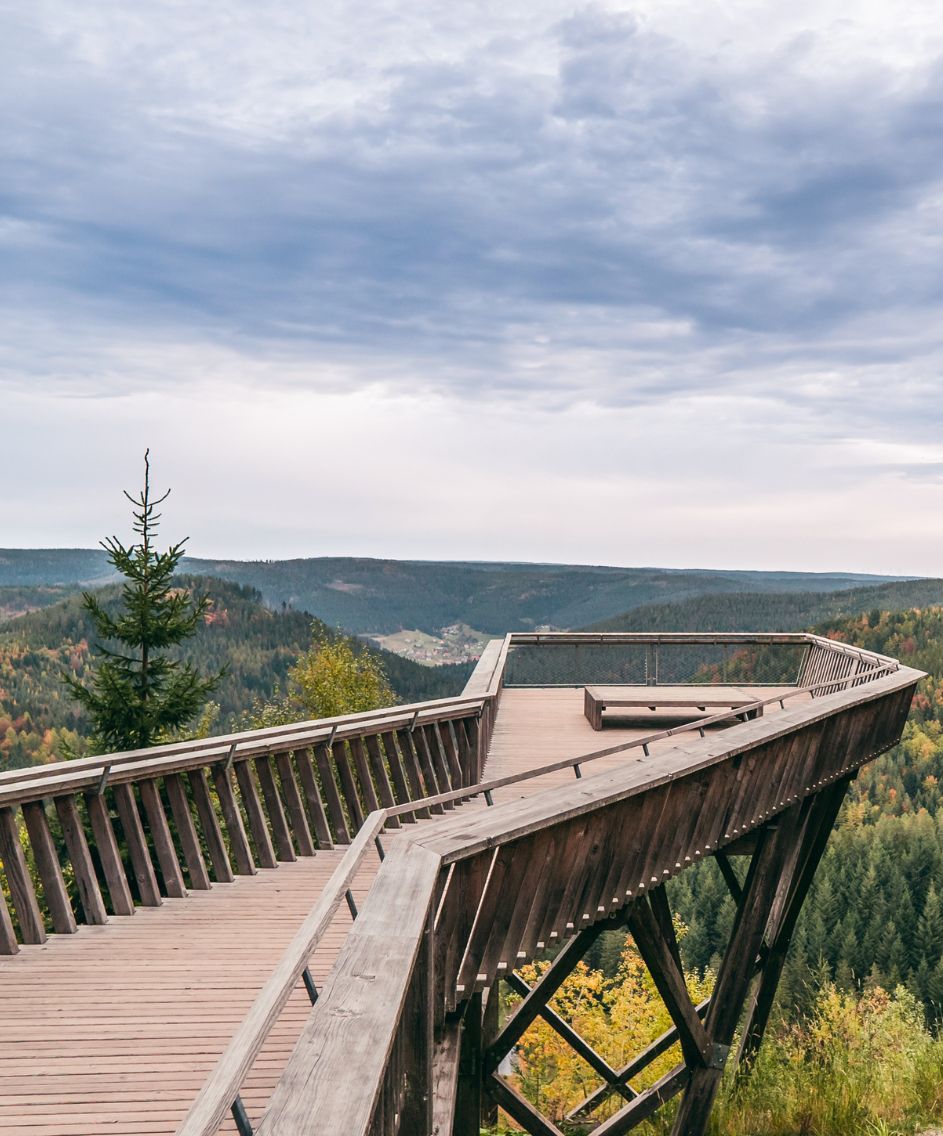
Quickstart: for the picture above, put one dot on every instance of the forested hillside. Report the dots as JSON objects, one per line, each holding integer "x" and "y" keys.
{"x": 17, "y": 599}
{"x": 773, "y": 611}
{"x": 368, "y": 596}
{"x": 256, "y": 644}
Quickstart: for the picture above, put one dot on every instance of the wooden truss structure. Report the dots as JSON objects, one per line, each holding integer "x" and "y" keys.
{"x": 783, "y": 858}
{"x": 402, "y": 1040}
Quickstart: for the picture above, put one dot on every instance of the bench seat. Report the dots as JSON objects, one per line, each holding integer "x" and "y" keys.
{"x": 701, "y": 697}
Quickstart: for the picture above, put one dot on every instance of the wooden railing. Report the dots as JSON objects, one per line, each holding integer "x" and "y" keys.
{"x": 458, "y": 905}
{"x": 83, "y": 840}
{"x": 220, "y": 1094}
{"x": 182, "y": 816}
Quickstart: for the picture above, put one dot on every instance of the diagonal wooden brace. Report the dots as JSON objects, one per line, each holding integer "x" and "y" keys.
{"x": 669, "y": 981}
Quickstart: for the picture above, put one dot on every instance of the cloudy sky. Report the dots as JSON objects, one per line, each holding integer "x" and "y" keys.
{"x": 650, "y": 283}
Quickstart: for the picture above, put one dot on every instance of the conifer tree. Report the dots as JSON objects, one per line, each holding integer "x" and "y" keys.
{"x": 138, "y": 695}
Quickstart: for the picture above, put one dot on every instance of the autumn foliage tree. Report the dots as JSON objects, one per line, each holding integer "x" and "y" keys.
{"x": 139, "y": 694}
{"x": 331, "y": 678}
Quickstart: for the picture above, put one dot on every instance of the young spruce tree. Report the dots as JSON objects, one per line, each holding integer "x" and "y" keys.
{"x": 138, "y": 695}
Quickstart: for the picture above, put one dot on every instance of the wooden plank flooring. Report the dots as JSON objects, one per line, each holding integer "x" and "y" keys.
{"x": 541, "y": 725}
{"x": 114, "y": 1029}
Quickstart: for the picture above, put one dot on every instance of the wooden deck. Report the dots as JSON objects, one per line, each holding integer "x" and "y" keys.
{"x": 535, "y": 727}
{"x": 115, "y": 1029}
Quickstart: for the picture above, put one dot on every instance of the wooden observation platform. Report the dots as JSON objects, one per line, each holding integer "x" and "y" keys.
{"x": 303, "y": 930}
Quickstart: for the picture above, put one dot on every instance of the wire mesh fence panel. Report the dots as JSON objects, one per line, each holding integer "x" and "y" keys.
{"x": 765, "y": 664}
{"x": 577, "y": 664}
{"x": 740, "y": 664}
{"x": 655, "y": 662}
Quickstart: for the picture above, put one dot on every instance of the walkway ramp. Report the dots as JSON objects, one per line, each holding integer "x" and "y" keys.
{"x": 220, "y": 850}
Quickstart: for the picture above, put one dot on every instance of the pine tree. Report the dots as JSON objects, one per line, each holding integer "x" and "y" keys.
{"x": 138, "y": 695}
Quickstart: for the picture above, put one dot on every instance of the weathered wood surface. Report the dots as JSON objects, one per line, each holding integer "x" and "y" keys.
{"x": 236, "y": 1061}
{"x": 653, "y": 698}
{"x": 352, "y": 1048}
{"x": 190, "y": 968}
{"x": 141, "y": 1070}
{"x": 117, "y": 1028}
{"x": 632, "y": 827}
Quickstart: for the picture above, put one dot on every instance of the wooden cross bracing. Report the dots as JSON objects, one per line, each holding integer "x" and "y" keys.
{"x": 768, "y": 902}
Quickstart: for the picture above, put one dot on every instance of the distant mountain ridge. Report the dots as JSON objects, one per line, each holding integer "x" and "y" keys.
{"x": 365, "y": 595}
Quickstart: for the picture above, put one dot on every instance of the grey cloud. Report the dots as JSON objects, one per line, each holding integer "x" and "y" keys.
{"x": 475, "y": 202}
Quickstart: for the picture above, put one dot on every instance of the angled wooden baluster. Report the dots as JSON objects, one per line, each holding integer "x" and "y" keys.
{"x": 19, "y": 881}
{"x": 116, "y": 879}
{"x": 163, "y": 842}
{"x": 73, "y": 832}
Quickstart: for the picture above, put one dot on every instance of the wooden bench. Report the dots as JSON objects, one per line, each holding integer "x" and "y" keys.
{"x": 599, "y": 698}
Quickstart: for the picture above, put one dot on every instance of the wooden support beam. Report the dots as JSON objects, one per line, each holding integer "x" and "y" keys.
{"x": 658, "y": 898}
{"x": 632, "y": 1114}
{"x": 812, "y": 843}
{"x": 452, "y": 1115}
{"x": 49, "y": 868}
{"x": 417, "y": 1030}
{"x": 669, "y": 981}
{"x": 255, "y": 814}
{"x": 367, "y": 788}
{"x": 332, "y": 799}
{"x": 731, "y": 879}
{"x": 19, "y": 881}
{"x": 411, "y": 768}
{"x": 212, "y": 833}
{"x": 136, "y": 842}
{"x": 238, "y": 842}
{"x": 653, "y": 1050}
{"x": 467, "y": 1103}
{"x": 292, "y": 799}
{"x": 450, "y": 746}
{"x": 490, "y": 1016}
{"x": 186, "y": 833}
{"x": 163, "y": 843}
{"x": 397, "y": 770}
{"x": 312, "y": 794}
{"x": 83, "y": 867}
{"x": 597, "y": 1063}
{"x": 8, "y": 943}
{"x": 349, "y": 791}
{"x": 381, "y": 776}
{"x": 116, "y": 879}
{"x": 281, "y": 833}
{"x": 738, "y": 967}
{"x": 519, "y": 1108}
{"x": 541, "y": 993}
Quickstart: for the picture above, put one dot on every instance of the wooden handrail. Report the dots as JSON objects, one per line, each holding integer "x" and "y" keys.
{"x": 251, "y": 743}
{"x": 135, "y": 765}
{"x": 225, "y": 1082}
{"x": 486, "y": 917}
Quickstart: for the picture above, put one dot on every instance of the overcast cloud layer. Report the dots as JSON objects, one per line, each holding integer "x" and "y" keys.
{"x": 642, "y": 284}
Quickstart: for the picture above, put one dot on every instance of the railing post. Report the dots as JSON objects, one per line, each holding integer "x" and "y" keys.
{"x": 417, "y": 1105}
{"x": 651, "y": 664}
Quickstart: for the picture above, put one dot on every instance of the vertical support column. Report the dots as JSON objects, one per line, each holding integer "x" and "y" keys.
{"x": 489, "y": 1031}
{"x": 417, "y": 1106}
{"x": 812, "y": 841}
{"x": 767, "y": 867}
{"x": 470, "y": 1071}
